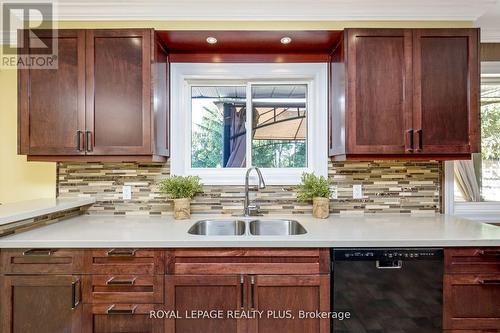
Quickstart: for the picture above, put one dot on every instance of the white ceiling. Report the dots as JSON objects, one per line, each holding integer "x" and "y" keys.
{"x": 485, "y": 12}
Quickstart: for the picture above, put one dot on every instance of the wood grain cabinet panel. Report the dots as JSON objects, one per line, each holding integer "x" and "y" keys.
{"x": 120, "y": 318}
{"x": 44, "y": 304}
{"x": 472, "y": 260}
{"x": 42, "y": 261}
{"x": 52, "y": 101}
{"x": 184, "y": 293}
{"x": 123, "y": 288}
{"x": 106, "y": 101}
{"x": 124, "y": 261}
{"x": 248, "y": 261}
{"x": 446, "y": 98}
{"x": 379, "y": 90}
{"x": 118, "y": 65}
{"x": 275, "y": 295}
{"x": 405, "y": 94}
{"x": 472, "y": 301}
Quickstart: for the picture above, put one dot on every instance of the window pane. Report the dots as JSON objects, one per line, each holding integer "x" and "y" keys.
{"x": 279, "y": 126}
{"x": 490, "y": 142}
{"x": 218, "y": 135}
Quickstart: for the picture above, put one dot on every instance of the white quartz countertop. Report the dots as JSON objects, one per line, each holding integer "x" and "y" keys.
{"x": 18, "y": 211}
{"x": 89, "y": 231}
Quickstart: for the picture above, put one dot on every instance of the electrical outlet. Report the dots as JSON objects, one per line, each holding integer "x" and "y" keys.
{"x": 334, "y": 192}
{"x": 357, "y": 191}
{"x": 127, "y": 192}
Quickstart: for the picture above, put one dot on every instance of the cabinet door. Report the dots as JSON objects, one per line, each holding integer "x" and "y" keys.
{"x": 276, "y": 294}
{"x": 446, "y": 98}
{"x": 471, "y": 301}
{"x": 379, "y": 87}
{"x": 118, "y": 100}
{"x": 52, "y": 101}
{"x": 184, "y": 293}
{"x": 120, "y": 318}
{"x": 42, "y": 304}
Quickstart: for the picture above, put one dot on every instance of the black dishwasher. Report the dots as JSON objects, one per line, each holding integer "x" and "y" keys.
{"x": 387, "y": 290}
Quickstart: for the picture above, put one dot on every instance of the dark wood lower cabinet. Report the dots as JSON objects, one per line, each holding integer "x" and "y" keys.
{"x": 286, "y": 300}
{"x": 120, "y": 318}
{"x": 186, "y": 293}
{"x": 472, "y": 301}
{"x": 41, "y": 304}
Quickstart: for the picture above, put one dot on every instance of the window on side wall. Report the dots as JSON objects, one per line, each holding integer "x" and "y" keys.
{"x": 243, "y": 116}
{"x": 476, "y": 184}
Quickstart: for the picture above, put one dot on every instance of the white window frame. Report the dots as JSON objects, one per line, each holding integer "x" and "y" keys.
{"x": 481, "y": 211}
{"x": 185, "y": 75}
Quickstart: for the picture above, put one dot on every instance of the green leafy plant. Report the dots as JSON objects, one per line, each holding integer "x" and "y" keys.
{"x": 179, "y": 187}
{"x": 313, "y": 186}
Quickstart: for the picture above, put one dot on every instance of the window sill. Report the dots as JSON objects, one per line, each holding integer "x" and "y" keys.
{"x": 478, "y": 211}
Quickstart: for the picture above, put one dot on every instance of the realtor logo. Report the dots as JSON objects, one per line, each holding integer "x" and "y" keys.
{"x": 29, "y": 38}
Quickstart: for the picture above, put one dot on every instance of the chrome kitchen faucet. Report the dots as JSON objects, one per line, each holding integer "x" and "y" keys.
{"x": 252, "y": 210}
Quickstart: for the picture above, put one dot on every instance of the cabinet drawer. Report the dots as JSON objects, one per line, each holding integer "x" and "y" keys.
{"x": 123, "y": 288}
{"x": 41, "y": 261}
{"x": 248, "y": 261}
{"x": 472, "y": 260}
{"x": 124, "y": 261}
{"x": 120, "y": 318}
{"x": 471, "y": 301}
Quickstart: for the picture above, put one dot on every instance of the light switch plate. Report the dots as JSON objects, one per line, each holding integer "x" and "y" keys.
{"x": 334, "y": 193}
{"x": 127, "y": 192}
{"x": 357, "y": 191}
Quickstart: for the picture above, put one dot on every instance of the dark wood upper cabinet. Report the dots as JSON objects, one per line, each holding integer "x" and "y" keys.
{"x": 405, "y": 93}
{"x": 108, "y": 99}
{"x": 378, "y": 90}
{"x": 118, "y": 92}
{"x": 446, "y": 98}
{"x": 52, "y": 101}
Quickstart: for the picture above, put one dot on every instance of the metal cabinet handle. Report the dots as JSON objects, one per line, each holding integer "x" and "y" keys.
{"x": 242, "y": 292}
{"x": 80, "y": 141}
{"x": 74, "y": 300}
{"x": 39, "y": 252}
{"x": 409, "y": 135}
{"x": 252, "y": 292}
{"x": 420, "y": 144}
{"x": 111, "y": 310}
{"x": 121, "y": 253}
{"x": 489, "y": 253}
{"x": 89, "y": 146}
{"x": 490, "y": 282}
{"x": 114, "y": 282}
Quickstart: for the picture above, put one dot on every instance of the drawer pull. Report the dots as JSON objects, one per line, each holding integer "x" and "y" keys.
{"x": 121, "y": 253}
{"x": 39, "y": 252}
{"x": 490, "y": 282}
{"x": 114, "y": 282}
{"x": 74, "y": 299}
{"x": 489, "y": 253}
{"x": 111, "y": 310}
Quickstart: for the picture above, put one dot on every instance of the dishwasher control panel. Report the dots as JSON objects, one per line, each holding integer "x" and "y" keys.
{"x": 387, "y": 254}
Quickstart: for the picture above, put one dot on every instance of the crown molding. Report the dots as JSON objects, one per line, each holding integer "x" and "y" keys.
{"x": 265, "y": 10}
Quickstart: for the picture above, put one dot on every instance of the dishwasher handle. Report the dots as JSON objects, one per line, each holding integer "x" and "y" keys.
{"x": 389, "y": 264}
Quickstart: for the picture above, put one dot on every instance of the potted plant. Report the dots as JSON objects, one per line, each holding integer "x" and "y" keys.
{"x": 181, "y": 190}
{"x": 316, "y": 189}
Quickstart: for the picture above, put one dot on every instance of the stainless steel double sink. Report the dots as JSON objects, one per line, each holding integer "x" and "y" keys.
{"x": 255, "y": 227}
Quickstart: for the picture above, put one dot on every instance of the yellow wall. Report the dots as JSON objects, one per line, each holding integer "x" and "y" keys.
{"x": 21, "y": 180}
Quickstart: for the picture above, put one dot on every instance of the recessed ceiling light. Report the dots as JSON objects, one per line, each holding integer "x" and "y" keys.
{"x": 211, "y": 40}
{"x": 286, "y": 40}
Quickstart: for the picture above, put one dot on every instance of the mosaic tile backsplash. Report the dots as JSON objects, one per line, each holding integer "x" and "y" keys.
{"x": 388, "y": 187}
